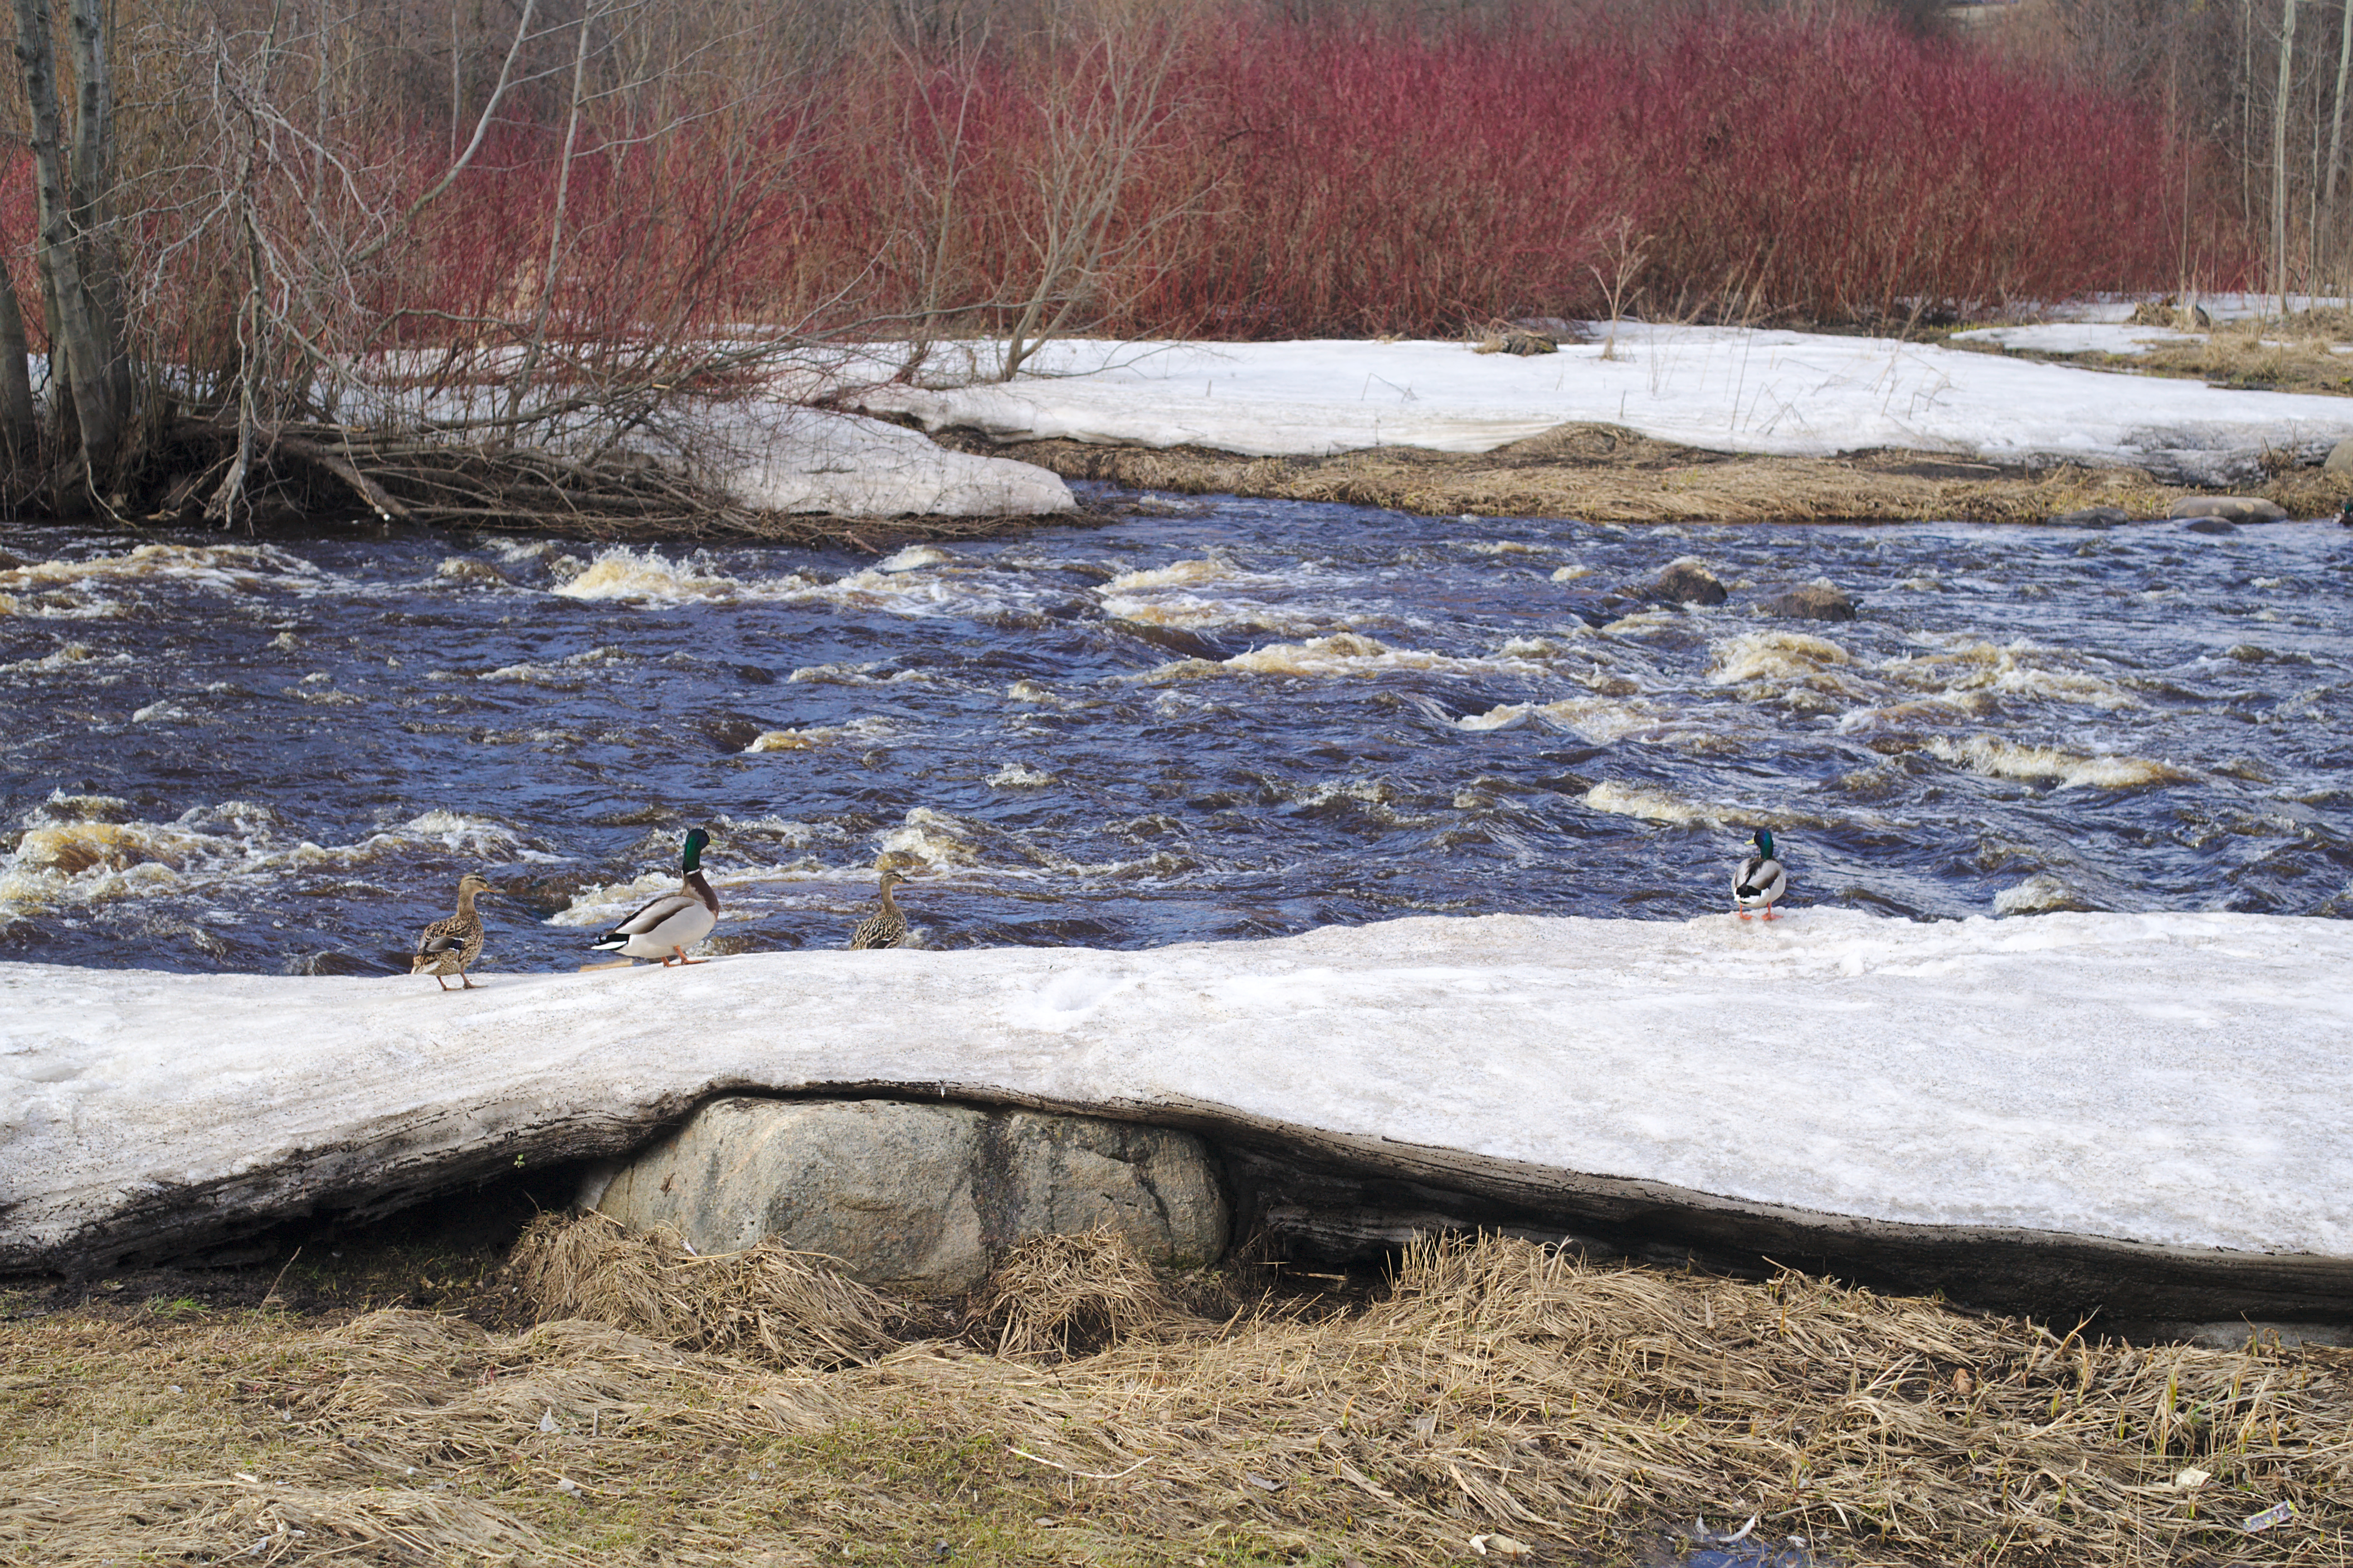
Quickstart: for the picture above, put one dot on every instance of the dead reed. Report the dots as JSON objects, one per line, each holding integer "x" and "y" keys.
{"x": 1603, "y": 474}
{"x": 1069, "y": 1295}
{"x": 1496, "y": 1388}
{"x": 767, "y": 1303}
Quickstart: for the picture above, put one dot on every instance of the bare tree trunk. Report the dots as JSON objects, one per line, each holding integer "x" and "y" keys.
{"x": 2279, "y": 155}
{"x": 19, "y": 423}
{"x": 2336, "y": 111}
{"x": 93, "y": 185}
{"x": 80, "y": 334}
{"x": 548, "y": 269}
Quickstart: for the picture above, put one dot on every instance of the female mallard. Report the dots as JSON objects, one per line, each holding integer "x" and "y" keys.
{"x": 1760, "y": 878}
{"x": 887, "y": 927}
{"x": 447, "y": 946}
{"x": 670, "y": 924}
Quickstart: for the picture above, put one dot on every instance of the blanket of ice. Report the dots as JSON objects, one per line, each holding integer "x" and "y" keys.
{"x": 1723, "y": 388}
{"x": 2174, "y": 1079}
{"x": 812, "y": 460}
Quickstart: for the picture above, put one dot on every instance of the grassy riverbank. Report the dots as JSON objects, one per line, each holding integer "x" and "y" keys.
{"x": 1586, "y": 1414}
{"x": 1602, "y": 473}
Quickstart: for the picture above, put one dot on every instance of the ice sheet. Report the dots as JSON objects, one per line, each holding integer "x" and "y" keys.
{"x": 1723, "y": 388}
{"x": 2176, "y": 1078}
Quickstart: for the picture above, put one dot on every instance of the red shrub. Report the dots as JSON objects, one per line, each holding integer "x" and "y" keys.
{"x": 1314, "y": 180}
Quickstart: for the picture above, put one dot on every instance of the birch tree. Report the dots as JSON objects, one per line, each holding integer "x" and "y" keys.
{"x": 81, "y": 284}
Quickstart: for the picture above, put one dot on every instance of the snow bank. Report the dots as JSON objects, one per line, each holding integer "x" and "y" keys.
{"x": 1724, "y": 388}
{"x": 2174, "y": 1079}
{"x": 810, "y": 460}
{"x": 2077, "y": 337}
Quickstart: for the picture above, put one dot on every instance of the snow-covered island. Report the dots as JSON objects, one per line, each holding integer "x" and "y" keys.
{"x": 1727, "y": 389}
{"x": 2145, "y": 1110}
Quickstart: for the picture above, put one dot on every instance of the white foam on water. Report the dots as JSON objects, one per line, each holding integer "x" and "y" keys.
{"x": 1343, "y": 655}
{"x": 1188, "y": 613}
{"x": 1772, "y": 656}
{"x": 1965, "y": 665}
{"x": 1020, "y": 776}
{"x": 69, "y": 857}
{"x": 72, "y": 656}
{"x": 855, "y": 675}
{"x": 1998, "y": 758}
{"x": 867, "y": 731}
{"x": 630, "y": 576}
{"x": 1179, "y": 575}
{"x": 73, "y": 590}
{"x": 623, "y": 571}
{"x": 571, "y": 671}
{"x": 914, "y": 557}
{"x": 929, "y": 840}
{"x": 1030, "y": 691}
{"x": 1599, "y": 721}
{"x": 1653, "y": 804}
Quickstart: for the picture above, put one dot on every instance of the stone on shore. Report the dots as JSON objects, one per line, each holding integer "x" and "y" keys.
{"x": 2092, "y": 517}
{"x": 917, "y": 1198}
{"x": 2228, "y": 509}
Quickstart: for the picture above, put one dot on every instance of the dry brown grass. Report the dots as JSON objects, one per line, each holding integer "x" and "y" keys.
{"x": 1602, "y": 473}
{"x": 2302, "y": 352}
{"x": 768, "y": 1302}
{"x": 1070, "y": 1295}
{"x": 1496, "y": 1388}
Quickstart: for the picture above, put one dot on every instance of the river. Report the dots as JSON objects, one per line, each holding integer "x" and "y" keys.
{"x": 1216, "y": 719}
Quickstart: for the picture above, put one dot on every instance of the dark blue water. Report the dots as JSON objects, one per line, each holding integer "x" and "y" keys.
{"x": 1241, "y": 719}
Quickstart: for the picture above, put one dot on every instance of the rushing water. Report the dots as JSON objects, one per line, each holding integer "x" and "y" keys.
{"x": 1238, "y": 719}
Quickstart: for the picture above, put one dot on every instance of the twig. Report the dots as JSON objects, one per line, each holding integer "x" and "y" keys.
{"x": 1087, "y": 1475}
{"x": 271, "y": 1294}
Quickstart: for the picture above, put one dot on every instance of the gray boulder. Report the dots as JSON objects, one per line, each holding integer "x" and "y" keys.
{"x": 1686, "y": 581}
{"x": 916, "y": 1198}
{"x": 2340, "y": 457}
{"x": 1820, "y": 600}
{"x": 2092, "y": 517}
{"x": 2228, "y": 509}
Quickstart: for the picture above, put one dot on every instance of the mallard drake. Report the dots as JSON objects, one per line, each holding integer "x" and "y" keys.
{"x": 667, "y": 927}
{"x": 1760, "y": 878}
{"x": 447, "y": 946}
{"x": 886, "y": 927}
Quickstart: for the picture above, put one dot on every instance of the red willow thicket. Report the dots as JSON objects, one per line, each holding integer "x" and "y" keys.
{"x": 1751, "y": 166}
{"x": 1204, "y": 171}
{"x": 1302, "y": 180}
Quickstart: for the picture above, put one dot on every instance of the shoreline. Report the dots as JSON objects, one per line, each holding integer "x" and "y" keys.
{"x": 1609, "y": 473}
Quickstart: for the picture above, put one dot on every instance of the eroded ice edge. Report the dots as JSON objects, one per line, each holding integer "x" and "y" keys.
{"x": 2167, "y": 1078}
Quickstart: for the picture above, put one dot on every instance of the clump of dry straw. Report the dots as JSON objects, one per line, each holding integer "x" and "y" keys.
{"x": 1069, "y": 1295}
{"x": 766, "y": 1302}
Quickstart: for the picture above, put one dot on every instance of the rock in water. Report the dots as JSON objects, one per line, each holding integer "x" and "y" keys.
{"x": 2228, "y": 509}
{"x": 2092, "y": 517}
{"x": 1686, "y": 581}
{"x": 915, "y": 1197}
{"x": 1820, "y": 600}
